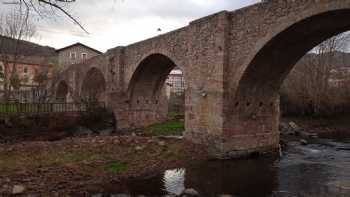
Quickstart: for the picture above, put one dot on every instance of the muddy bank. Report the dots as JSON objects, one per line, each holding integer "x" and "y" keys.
{"x": 77, "y": 166}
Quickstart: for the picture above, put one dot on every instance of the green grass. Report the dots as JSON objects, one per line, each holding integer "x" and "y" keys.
{"x": 10, "y": 108}
{"x": 14, "y": 108}
{"x": 114, "y": 167}
{"x": 171, "y": 127}
{"x": 75, "y": 157}
{"x": 32, "y": 107}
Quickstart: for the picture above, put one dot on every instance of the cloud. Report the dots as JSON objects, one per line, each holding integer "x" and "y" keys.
{"x": 121, "y": 22}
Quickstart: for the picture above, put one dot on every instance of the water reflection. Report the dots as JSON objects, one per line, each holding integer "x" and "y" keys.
{"x": 174, "y": 181}
{"x": 240, "y": 177}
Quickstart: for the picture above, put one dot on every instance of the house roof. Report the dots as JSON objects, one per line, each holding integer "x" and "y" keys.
{"x": 78, "y": 44}
{"x": 8, "y": 46}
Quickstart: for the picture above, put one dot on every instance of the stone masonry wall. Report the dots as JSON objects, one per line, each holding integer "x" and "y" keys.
{"x": 233, "y": 64}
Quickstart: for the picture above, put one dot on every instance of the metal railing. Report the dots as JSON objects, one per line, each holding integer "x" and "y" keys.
{"x": 38, "y": 108}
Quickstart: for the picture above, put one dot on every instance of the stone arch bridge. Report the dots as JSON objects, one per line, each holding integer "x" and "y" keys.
{"x": 233, "y": 62}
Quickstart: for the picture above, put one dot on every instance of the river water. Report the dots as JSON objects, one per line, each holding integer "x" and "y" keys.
{"x": 320, "y": 169}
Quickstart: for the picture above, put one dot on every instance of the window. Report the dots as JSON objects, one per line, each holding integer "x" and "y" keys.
{"x": 25, "y": 78}
{"x": 25, "y": 70}
{"x": 73, "y": 56}
{"x": 84, "y": 56}
{"x": 2, "y": 75}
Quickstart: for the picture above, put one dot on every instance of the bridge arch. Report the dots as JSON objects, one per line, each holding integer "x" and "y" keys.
{"x": 255, "y": 103}
{"x": 93, "y": 88}
{"x": 146, "y": 90}
{"x": 62, "y": 91}
{"x": 283, "y": 48}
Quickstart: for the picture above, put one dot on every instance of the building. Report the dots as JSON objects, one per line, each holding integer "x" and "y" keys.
{"x": 27, "y": 68}
{"x": 75, "y": 54}
{"x": 175, "y": 83}
{"x": 32, "y": 60}
{"x": 175, "y": 92}
{"x": 29, "y": 59}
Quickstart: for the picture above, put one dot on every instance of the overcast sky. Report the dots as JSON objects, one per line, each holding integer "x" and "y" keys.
{"x": 112, "y": 23}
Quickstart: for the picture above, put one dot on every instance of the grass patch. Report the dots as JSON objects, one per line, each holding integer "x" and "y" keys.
{"x": 76, "y": 157}
{"x": 8, "y": 108}
{"x": 114, "y": 167}
{"x": 171, "y": 127}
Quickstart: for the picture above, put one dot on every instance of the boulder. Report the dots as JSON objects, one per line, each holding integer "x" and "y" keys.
{"x": 18, "y": 189}
{"x": 139, "y": 148}
{"x": 120, "y": 195}
{"x": 190, "y": 192}
{"x": 341, "y": 187}
{"x": 288, "y": 128}
{"x": 304, "y": 134}
{"x": 161, "y": 143}
{"x": 82, "y": 131}
{"x": 294, "y": 126}
{"x": 303, "y": 142}
{"x": 106, "y": 132}
{"x": 284, "y": 128}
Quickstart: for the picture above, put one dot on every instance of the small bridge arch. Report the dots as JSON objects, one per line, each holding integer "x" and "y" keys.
{"x": 62, "y": 91}
{"x": 93, "y": 87}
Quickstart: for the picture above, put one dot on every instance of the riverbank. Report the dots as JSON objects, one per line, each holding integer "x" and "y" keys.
{"x": 319, "y": 125}
{"x": 78, "y": 165}
{"x": 83, "y": 165}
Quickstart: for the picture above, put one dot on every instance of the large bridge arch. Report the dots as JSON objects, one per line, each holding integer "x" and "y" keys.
{"x": 273, "y": 62}
{"x": 146, "y": 89}
{"x": 253, "y": 113}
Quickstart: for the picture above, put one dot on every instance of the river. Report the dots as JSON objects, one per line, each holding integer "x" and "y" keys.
{"x": 320, "y": 169}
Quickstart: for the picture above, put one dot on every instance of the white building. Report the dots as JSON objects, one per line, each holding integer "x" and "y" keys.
{"x": 175, "y": 83}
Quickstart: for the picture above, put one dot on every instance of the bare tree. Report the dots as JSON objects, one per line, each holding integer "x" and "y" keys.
{"x": 308, "y": 85}
{"x": 14, "y": 28}
{"x": 47, "y": 7}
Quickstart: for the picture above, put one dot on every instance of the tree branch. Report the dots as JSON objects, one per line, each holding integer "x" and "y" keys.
{"x": 48, "y": 2}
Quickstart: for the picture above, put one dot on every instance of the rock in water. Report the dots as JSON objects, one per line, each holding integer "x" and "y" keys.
{"x": 284, "y": 128}
{"x": 303, "y": 142}
{"x": 190, "y": 192}
{"x": 295, "y": 128}
{"x": 18, "y": 189}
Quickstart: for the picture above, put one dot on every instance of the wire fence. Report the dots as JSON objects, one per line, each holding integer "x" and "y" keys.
{"x": 39, "y": 108}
